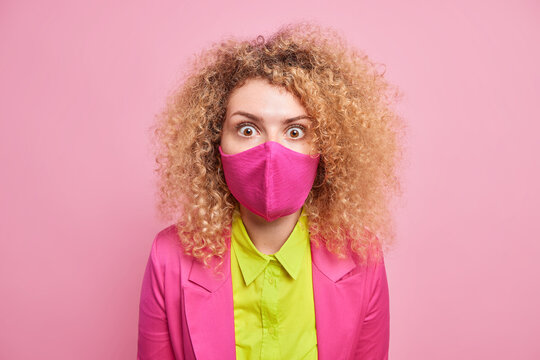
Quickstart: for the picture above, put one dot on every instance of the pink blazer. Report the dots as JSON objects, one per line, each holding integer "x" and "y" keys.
{"x": 187, "y": 313}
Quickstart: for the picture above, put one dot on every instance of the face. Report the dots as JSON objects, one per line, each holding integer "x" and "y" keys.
{"x": 258, "y": 112}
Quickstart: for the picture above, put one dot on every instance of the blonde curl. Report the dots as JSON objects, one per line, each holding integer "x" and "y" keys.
{"x": 355, "y": 128}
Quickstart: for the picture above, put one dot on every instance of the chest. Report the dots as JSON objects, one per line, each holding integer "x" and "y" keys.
{"x": 338, "y": 296}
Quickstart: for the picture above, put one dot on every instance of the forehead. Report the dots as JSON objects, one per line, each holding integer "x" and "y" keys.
{"x": 265, "y": 99}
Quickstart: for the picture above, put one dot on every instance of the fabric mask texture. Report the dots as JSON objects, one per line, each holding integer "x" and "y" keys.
{"x": 270, "y": 179}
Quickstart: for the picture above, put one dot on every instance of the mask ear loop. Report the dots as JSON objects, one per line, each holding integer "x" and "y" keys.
{"x": 223, "y": 183}
{"x": 320, "y": 170}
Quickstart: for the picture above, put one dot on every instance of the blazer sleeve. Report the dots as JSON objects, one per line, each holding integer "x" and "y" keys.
{"x": 373, "y": 341}
{"x": 153, "y": 339}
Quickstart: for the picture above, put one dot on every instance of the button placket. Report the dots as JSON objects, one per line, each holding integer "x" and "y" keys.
{"x": 269, "y": 310}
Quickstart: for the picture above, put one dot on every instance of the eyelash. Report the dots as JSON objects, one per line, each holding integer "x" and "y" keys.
{"x": 241, "y": 125}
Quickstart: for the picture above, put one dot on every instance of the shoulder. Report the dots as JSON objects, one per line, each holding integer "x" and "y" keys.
{"x": 167, "y": 249}
{"x": 166, "y": 240}
{"x": 371, "y": 270}
{"x": 372, "y": 263}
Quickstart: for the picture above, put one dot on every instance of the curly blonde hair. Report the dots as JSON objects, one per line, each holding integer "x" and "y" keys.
{"x": 355, "y": 129}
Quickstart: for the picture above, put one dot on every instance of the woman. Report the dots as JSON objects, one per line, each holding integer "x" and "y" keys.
{"x": 277, "y": 160}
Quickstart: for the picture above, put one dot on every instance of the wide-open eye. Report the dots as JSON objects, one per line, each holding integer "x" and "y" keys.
{"x": 246, "y": 130}
{"x": 296, "y": 132}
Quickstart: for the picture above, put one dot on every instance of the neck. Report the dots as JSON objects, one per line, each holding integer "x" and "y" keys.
{"x": 268, "y": 237}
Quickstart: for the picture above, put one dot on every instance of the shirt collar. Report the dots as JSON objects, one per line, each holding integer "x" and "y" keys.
{"x": 252, "y": 262}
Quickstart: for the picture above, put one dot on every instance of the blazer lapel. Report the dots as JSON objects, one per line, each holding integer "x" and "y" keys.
{"x": 337, "y": 303}
{"x": 208, "y": 300}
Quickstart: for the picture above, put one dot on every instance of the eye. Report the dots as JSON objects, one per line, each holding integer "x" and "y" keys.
{"x": 246, "y": 130}
{"x": 296, "y": 132}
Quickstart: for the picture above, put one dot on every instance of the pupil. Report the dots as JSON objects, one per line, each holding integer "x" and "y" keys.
{"x": 294, "y": 133}
{"x": 247, "y": 131}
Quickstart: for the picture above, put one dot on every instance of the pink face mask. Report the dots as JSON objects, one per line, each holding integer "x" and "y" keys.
{"x": 270, "y": 179}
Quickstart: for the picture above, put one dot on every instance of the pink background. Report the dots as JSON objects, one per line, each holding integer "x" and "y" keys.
{"x": 80, "y": 84}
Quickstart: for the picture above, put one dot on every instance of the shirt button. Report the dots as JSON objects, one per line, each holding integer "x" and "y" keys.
{"x": 271, "y": 281}
{"x": 271, "y": 330}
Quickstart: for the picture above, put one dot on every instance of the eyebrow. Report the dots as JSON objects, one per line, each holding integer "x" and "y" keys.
{"x": 258, "y": 119}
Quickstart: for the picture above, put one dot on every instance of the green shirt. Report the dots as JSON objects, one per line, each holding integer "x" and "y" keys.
{"x": 274, "y": 313}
